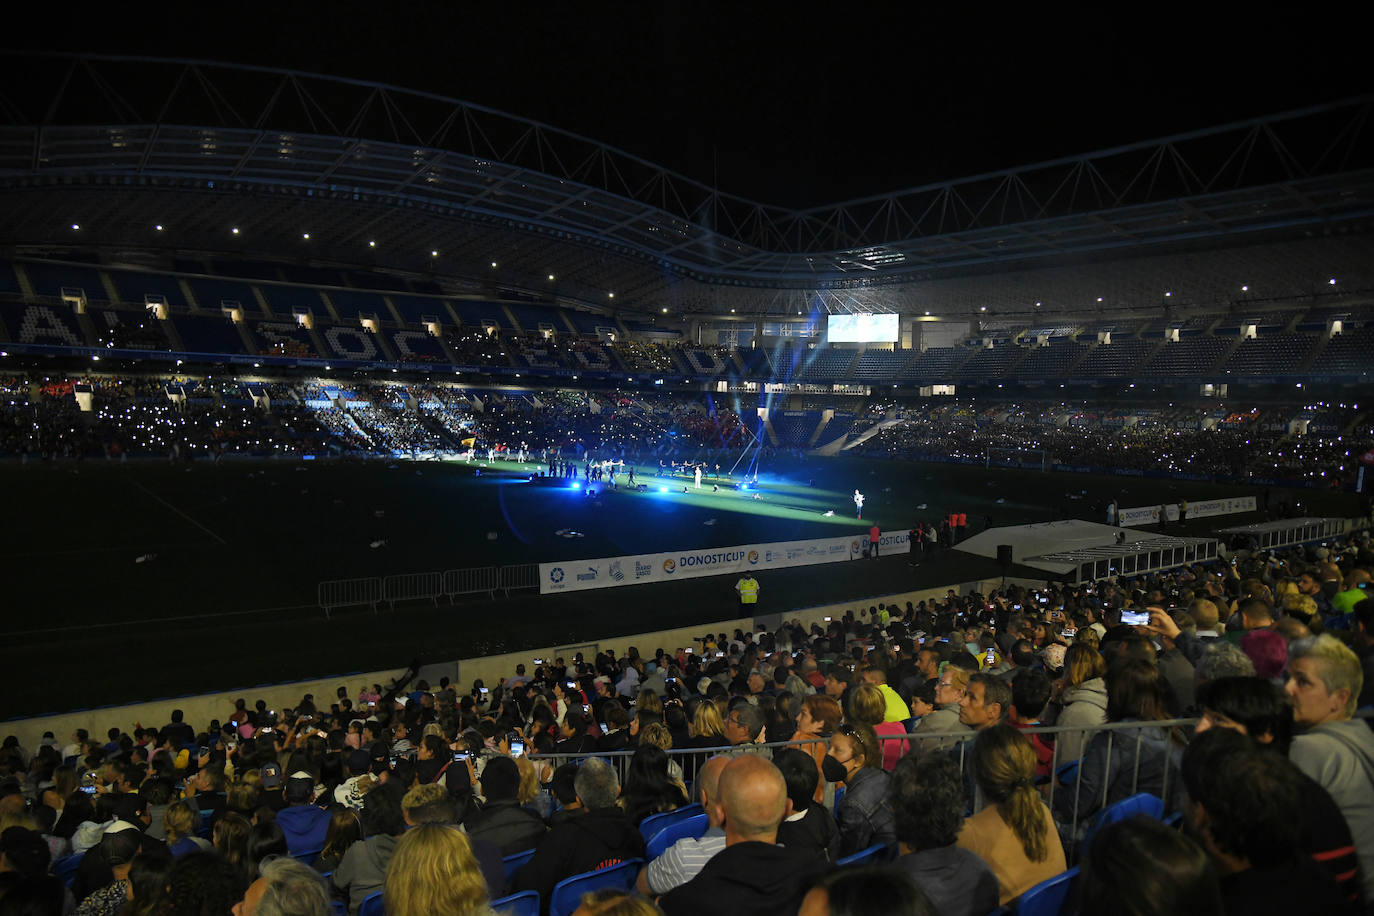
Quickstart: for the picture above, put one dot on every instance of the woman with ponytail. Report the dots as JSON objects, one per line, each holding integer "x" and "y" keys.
{"x": 1015, "y": 832}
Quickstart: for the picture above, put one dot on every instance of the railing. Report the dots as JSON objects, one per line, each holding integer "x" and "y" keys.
{"x": 432, "y": 586}
{"x": 1126, "y": 765}
{"x": 470, "y": 581}
{"x": 349, "y": 592}
{"x": 413, "y": 587}
{"x": 525, "y": 575}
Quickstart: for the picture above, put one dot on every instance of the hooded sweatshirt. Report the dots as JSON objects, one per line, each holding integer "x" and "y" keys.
{"x": 600, "y": 838}
{"x": 304, "y": 826}
{"x": 363, "y": 869}
{"x": 1084, "y": 706}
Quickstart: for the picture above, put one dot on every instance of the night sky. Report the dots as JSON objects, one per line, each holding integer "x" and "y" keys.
{"x": 794, "y": 104}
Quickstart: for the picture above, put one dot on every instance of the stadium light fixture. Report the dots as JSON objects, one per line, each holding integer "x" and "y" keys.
{"x": 158, "y": 227}
{"x": 234, "y": 231}
{"x": 610, "y": 295}
{"x": 1166, "y": 296}
{"x": 433, "y": 253}
{"x": 1332, "y": 281}
{"x": 1245, "y": 289}
{"x": 76, "y": 227}
{"x": 306, "y": 236}
{"x": 550, "y": 276}
{"x": 372, "y": 244}
{"x": 493, "y": 263}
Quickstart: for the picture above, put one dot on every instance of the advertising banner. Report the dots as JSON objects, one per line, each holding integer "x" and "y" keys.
{"x": 1203, "y": 508}
{"x": 610, "y": 572}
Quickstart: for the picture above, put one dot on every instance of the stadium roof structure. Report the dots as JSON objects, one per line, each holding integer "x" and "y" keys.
{"x": 335, "y": 170}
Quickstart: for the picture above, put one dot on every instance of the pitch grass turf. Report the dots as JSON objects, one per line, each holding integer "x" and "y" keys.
{"x": 241, "y": 537}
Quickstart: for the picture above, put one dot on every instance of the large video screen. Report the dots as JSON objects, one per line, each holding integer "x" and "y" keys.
{"x": 862, "y": 329}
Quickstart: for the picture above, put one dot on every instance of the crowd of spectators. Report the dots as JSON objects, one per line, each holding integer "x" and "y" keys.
{"x": 1240, "y": 446}
{"x": 139, "y": 416}
{"x": 975, "y": 739}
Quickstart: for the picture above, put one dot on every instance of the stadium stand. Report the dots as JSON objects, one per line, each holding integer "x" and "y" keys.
{"x": 880, "y": 365}
{"x": 1188, "y": 356}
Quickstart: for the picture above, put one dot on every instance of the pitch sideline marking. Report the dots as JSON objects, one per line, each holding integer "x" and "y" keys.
{"x": 179, "y": 512}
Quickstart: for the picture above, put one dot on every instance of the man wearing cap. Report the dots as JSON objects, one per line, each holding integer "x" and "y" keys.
{"x": 502, "y": 820}
{"x": 119, "y": 845}
{"x": 23, "y": 851}
{"x": 303, "y": 824}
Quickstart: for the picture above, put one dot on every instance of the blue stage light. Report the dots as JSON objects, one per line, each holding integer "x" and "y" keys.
{"x": 663, "y": 489}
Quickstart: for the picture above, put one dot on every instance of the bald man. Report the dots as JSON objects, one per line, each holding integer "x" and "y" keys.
{"x": 752, "y": 874}
{"x": 683, "y": 861}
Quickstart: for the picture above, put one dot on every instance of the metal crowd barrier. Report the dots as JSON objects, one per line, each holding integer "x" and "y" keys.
{"x": 348, "y": 592}
{"x": 526, "y": 575}
{"x": 961, "y": 743}
{"x": 413, "y": 587}
{"x": 471, "y": 581}
{"x": 337, "y": 593}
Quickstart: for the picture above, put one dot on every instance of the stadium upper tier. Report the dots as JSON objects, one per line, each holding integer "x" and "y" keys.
{"x": 313, "y": 319}
{"x": 121, "y": 153}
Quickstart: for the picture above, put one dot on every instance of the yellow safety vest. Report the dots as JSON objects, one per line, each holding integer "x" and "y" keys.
{"x": 748, "y": 590}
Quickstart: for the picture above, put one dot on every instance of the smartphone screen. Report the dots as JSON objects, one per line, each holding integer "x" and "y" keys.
{"x": 992, "y": 657}
{"x": 460, "y": 756}
{"x": 517, "y": 748}
{"x": 1135, "y": 618}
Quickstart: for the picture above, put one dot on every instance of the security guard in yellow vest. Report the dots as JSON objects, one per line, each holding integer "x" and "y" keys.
{"x": 748, "y": 588}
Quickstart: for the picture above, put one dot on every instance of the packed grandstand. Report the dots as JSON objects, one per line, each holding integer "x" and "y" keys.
{"x": 900, "y": 736}
{"x": 1195, "y": 739}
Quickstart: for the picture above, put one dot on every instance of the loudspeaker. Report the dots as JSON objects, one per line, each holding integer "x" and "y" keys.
{"x": 1004, "y": 556}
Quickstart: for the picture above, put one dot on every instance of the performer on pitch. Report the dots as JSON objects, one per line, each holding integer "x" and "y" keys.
{"x": 859, "y": 503}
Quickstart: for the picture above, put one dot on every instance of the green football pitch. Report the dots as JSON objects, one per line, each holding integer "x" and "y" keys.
{"x": 211, "y": 570}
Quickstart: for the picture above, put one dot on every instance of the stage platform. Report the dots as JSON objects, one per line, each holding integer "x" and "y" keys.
{"x": 1077, "y": 551}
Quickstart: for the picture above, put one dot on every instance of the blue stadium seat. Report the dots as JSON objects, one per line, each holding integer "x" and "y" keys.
{"x": 307, "y": 856}
{"x": 525, "y": 903}
{"x": 693, "y": 827}
{"x": 870, "y": 856}
{"x": 65, "y": 868}
{"x": 514, "y": 863}
{"x": 372, "y": 905}
{"x": 1140, "y": 803}
{"x": 567, "y": 894}
{"x": 656, "y": 822}
{"x": 1049, "y": 896}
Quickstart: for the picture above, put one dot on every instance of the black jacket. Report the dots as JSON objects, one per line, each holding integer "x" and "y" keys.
{"x": 511, "y": 827}
{"x": 748, "y": 879}
{"x": 817, "y": 831}
{"x": 599, "y": 838}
